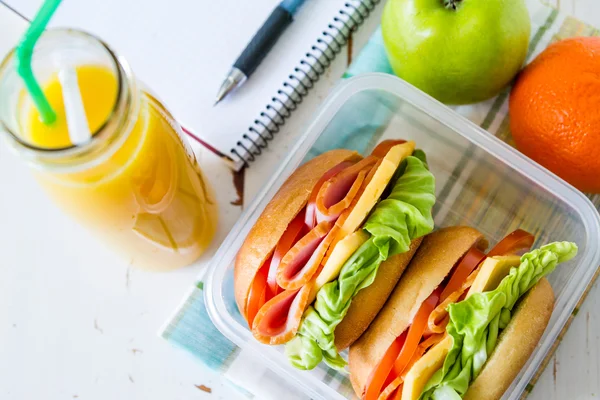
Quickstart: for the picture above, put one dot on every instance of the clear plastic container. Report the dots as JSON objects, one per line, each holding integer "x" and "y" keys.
{"x": 480, "y": 181}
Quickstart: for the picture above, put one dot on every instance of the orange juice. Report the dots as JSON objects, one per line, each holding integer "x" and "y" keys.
{"x": 143, "y": 193}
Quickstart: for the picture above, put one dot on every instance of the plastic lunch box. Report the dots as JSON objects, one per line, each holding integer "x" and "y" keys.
{"x": 503, "y": 190}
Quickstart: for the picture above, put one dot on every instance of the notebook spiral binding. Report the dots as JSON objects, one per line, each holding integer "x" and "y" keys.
{"x": 301, "y": 80}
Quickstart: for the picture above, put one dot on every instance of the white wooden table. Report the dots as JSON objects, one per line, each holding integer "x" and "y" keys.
{"x": 71, "y": 328}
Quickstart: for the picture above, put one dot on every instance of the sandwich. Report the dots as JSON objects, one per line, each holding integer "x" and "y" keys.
{"x": 327, "y": 214}
{"x": 461, "y": 323}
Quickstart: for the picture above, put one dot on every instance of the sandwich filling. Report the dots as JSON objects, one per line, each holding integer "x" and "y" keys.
{"x": 403, "y": 215}
{"x": 462, "y": 321}
{"x": 283, "y": 286}
{"x": 475, "y": 323}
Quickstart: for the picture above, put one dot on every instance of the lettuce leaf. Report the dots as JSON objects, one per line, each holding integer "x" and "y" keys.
{"x": 476, "y": 322}
{"x": 395, "y": 221}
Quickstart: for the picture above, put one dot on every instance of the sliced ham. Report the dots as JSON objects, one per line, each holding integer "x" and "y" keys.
{"x": 342, "y": 218}
{"x": 278, "y": 320}
{"x": 334, "y": 237}
{"x": 296, "y": 262}
{"x": 302, "y": 262}
{"x": 337, "y": 193}
{"x": 310, "y": 216}
{"x": 291, "y": 235}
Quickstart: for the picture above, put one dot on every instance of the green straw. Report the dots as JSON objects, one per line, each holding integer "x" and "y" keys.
{"x": 25, "y": 54}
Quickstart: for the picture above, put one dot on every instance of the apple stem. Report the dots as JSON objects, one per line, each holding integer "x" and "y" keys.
{"x": 451, "y": 4}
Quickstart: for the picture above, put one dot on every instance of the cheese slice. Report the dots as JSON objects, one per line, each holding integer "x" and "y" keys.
{"x": 341, "y": 252}
{"x": 422, "y": 370}
{"x": 492, "y": 271}
{"x": 375, "y": 188}
{"x": 352, "y": 238}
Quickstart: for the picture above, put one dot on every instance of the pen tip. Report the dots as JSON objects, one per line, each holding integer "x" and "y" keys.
{"x": 221, "y": 95}
{"x": 233, "y": 80}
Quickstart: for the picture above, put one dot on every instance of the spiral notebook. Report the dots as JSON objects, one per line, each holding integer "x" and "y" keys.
{"x": 245, "y": 123}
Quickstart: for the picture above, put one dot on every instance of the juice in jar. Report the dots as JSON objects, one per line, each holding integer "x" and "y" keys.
{"x": 139, "y": 187}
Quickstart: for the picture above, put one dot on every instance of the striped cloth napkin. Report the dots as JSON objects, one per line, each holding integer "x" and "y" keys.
{"x": 191, "y": 327}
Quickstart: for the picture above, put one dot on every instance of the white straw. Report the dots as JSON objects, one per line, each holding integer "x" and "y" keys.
{"x": 79, "y": 130}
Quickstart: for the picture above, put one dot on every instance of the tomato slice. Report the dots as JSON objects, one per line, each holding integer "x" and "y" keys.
{"x": 395, "y": 383}
{"x": 513, "y": 243}
{"x": 462, "y": 271}
{"x": 382, "y": 370}
{"x": 403, "y": 348}
{"x": 382, "y": 148}
{"x": 310, "y": 219}
{"x": 292, "y": 234}
{"x": 415, "y": 332}
{"x": 396, "y": 394}
{"x": 258, "y": 296}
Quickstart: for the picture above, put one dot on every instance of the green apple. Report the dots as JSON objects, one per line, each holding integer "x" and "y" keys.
{"x": 458, "y": 51}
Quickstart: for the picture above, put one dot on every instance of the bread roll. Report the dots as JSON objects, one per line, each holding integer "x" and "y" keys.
{"x": 515, "y": 344}
{"x": 277, "y": 215}
{"x": 368, "y": 302}
{"x": 434, "y": 259}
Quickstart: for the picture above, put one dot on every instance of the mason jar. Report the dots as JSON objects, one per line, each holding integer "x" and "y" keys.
{"x": 135, "y": 182}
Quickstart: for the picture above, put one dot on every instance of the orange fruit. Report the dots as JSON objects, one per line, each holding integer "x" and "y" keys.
{"x": 555, "y": 111}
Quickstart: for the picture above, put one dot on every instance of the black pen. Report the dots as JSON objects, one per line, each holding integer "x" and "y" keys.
{"x": 259, "y": 46}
